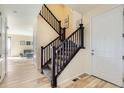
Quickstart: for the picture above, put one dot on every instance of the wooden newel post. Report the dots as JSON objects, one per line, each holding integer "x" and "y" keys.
{"x": 63, "y": 34}
{"x": 42, "y": 59}
{"x": 54, "y": 79}
{"x": 82, "y": 35}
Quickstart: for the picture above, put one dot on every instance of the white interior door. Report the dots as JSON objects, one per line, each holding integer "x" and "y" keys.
{"x": 107, "y": 29}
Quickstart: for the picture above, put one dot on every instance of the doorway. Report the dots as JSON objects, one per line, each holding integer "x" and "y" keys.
{"x": 9, "y": 46}
{"x": 20, "y": 50}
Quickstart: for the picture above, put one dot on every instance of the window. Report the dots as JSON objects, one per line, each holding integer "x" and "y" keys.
{"x": 28, "y": 42}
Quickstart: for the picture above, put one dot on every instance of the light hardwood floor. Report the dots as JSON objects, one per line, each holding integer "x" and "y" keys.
{"x": 23, "y": 74}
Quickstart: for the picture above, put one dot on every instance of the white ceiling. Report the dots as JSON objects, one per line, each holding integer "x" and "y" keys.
{"x": 22, "y": 21}
{"x": 82, "y": 8}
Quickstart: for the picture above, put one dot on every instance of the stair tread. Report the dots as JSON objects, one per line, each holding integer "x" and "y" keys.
{"x": 47, "y": 71}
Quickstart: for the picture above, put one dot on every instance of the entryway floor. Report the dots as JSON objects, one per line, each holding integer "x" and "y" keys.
{"x": 23, "y": 74}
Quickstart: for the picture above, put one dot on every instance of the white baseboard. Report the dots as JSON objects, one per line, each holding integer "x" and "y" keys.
{"x": 70, "y": 78}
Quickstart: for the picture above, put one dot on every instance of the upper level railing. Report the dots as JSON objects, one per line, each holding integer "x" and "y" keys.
{"x": 50, "y": 18}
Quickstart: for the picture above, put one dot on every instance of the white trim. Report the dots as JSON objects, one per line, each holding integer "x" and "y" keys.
{"x": 69, "y": 79}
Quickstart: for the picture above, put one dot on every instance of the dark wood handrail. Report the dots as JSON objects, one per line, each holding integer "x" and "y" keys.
{"x": 51, "y": 42}
{"x": 51, "y": 13}
{"x": 50, "y": 18}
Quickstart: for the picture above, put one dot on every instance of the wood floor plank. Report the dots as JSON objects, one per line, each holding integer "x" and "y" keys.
{"x": 23, "y": 74}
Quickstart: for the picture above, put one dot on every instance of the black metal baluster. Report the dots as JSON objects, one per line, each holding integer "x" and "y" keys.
{"x": 65, "y": 52}
{"x": 78, "y": 38}
{"x": 49, "y": 52}
{"x": 44, "y": 12}
{"x": 44, "y": 56}
{"x": 61, "y": 62}
{"x": 49, "y": 17}
{"x": 42, "y": 60}
{"x": 56, "y": 61}
{"x": 69, "y": 48}
{"x": 47, "y": 14}
{"x": 75, "y": 41}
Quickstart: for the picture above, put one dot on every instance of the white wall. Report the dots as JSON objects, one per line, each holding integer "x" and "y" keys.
{"x": 16, "y": 48}
{"x": 81, "y": 63}
{"x": 76, "y": 19}
{"x": 43, "y": 34}
{"x": 76, "y": 67}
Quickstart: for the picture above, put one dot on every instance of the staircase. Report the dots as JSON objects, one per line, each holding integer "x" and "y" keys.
{"x": 58, "y": 53}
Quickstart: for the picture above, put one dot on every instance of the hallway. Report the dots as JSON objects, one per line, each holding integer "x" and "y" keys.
{"x": 23, "y": 74}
